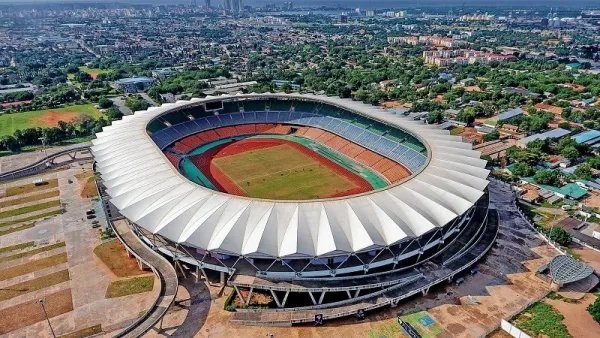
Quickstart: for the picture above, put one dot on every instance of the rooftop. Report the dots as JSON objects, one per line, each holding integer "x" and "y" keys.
{"x": 554, "y": 133}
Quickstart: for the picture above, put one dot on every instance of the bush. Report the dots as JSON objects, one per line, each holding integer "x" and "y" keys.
{"x": 105, "y": 103}
{"x": 228, "y": 306}
{"x": 559, "y": 235}
{"x": 594, "y": 310}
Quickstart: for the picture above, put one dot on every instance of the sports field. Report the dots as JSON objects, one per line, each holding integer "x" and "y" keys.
{"x": 44, "y": 118}
{"x": 279, "y": 169}
{"x": 94, "y": 72}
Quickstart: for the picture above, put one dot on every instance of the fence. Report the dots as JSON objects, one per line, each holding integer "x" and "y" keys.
{"x": 513, "y": 330}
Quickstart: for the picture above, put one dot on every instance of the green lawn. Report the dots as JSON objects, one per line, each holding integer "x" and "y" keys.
{"x": 131, "y": 286}
{"x": 16, "y": 247}
{"x": 542, "y": 320}
{"x": 30, "y": 208}
{"x": 9, "y": 123}
{"x": 424, "y": 324}
{"x": 421, "y": 321}
{"x": 281, "y": 172}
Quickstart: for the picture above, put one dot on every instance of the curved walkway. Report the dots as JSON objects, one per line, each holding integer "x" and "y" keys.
{"x": 42, "y": 164}
{"x": 161, "y": 268}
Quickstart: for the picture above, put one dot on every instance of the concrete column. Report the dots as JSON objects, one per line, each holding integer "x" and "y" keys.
{"x": 239, "y": 294}
{"x": 249, "y": 296}
{"x": 287, "y": 293}
{"x": 276, "y": 299}
{"x": 222, "y": 278}
{"x": 321, "y": 298}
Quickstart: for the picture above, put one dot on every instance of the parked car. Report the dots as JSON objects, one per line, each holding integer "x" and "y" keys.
{"x": 91, "y": 216}
{"x": 90, "y": 212}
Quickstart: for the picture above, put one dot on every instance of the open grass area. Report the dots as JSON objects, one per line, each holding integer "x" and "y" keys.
{"x": 32, "y": 252}
{"x": 456, "y": 130}
{"x": 281, "y": 172}
{"x": 29, "y": 209}
{"x": 114, "y": 256}
{"x": 94, "y": 72}
{"x": 9, "y": 123}
{"x": 4, "y": 225}
{"x": 87, "y": 332}
{"x": 131, "y": 286}
{"x": 30, "y": 187}
{"x": 34, "y": 284}
{"x": 43, "y": 263}
{"x": 542, "y": 320}
{"x": 28, "y": 313}
{"x": 16, "y": 247}
{"x": 29, "y": 199}
{"x": 6, "y": 231}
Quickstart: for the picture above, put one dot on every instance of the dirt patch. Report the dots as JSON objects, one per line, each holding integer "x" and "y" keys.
{"x": 87, "y": 182}
{"x": 578, "y": 321}
{"x": 94, "y": 75}
{"x": 25, "y": 314}
{"x": 257, "y": 299}
{"x": 114, "y": 256}
{"x": 589, "y": 256}
{"x": 51, "y": 118}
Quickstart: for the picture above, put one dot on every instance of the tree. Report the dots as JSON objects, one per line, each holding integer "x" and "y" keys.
{"x": 523, "y": 170}
{"x": 570, "y": 152}
{"x": 10, "y": 143}
{"x": 105, "y": 103}
{"x": 113, "y": 113}
{"x": 594, "y": 162}
{"x": 594, "y": 309}
{"x": 565, "y": 125}
{"x": 494, "y": 135}
{"x": 434, "y": 117}
{"x": 547, "y": 177}
{"x": 559, "y": 235}
{"x": 584, "y": 172}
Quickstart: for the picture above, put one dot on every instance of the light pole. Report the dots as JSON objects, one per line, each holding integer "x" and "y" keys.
{"x": 41, "y": 302}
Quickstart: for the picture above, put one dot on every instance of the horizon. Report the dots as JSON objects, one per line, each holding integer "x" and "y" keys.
{"x": 345, "y": 3}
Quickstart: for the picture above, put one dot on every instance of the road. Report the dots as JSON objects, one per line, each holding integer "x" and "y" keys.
{"x": 121, "y": 105}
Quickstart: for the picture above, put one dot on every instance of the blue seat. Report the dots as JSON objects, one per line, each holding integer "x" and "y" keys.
{"x": 261, "y": 116}
{"x": 249, "y": 117}
{"x": 214, "y": 121}
{"x": 273, "y": 117}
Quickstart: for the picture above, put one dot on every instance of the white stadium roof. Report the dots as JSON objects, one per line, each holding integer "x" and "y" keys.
{"x": 150, "y": 192}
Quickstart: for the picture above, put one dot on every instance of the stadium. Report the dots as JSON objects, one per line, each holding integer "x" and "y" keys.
{"x": 324, "y": 204}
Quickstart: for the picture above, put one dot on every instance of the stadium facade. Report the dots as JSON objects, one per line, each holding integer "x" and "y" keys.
{"x": 386, "y": 238}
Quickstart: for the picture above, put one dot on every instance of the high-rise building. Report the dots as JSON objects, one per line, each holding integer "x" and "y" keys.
{"x": 370, "y": 12}
{"x": 207, "y": 4}
{"x": 228, "y": 5}
{"x": 240, "y": 6}
{"x": 343, "y": 18}
{"x": 235, "y": 6}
